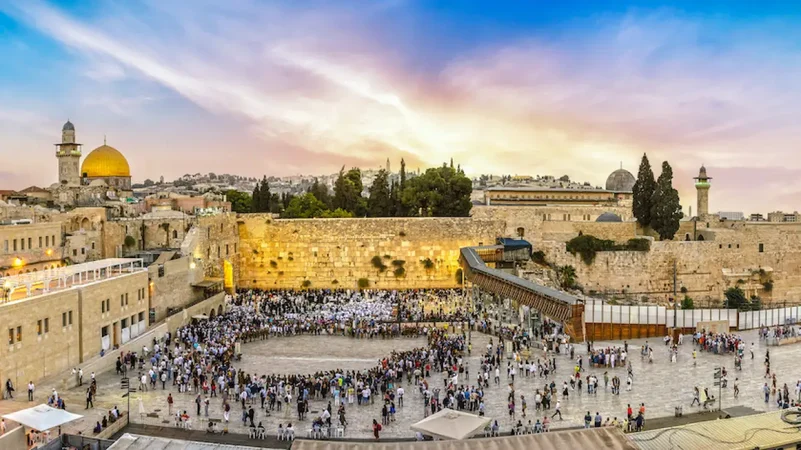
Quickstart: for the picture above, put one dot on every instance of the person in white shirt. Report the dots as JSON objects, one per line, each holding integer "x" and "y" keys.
{"x": 30, "y": 391}
{"x": 400, "y": 396}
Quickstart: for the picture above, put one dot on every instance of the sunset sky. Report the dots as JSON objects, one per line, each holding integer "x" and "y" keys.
{"x": 302, "y": 87}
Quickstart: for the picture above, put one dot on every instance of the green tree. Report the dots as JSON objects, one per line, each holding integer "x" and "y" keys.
{"x": 735, "y": 299}
{"x": 254, "y": 198}
{"x": 687, "y": 303}
{"x": 439, "y": 192}
{"x": 400, "y": 210}
{"x": 665, "y": 206}
{"x": 566, "y": 276}
{"x": 379, "y": 203}
{"x": 643, "y": 192}
{"x": 348, "y": 192}
{"x": 240, "y": 201}
{"x": 321, "y": 192}
{"x": 148, "y": 182}
{"x": 304, "y": 206}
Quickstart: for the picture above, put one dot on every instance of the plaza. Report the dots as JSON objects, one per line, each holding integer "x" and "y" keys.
{"x": 660, "y": 385}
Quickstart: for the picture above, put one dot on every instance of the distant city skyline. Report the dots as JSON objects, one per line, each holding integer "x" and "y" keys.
{"x": 281, "y": 88}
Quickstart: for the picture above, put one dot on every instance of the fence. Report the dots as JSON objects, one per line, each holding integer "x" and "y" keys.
{"x": 604, "y": 321}
{"x": 769, "y": 317}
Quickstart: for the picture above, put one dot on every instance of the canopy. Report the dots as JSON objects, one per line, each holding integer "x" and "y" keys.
{"x": 42, "y": 417}
{"x": 200, "y": 317}
{"x": 451, "y": 424}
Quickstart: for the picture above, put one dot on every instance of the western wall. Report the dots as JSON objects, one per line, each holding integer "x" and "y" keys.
{"x": 332, "y": 253}
{"x": 336, "y": 253}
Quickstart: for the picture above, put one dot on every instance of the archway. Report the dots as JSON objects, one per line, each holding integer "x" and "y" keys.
{"x": 521, "y": 232}
{"x": 228, "y": 276}
{"x": 86, "y": 225}
{"x": 687, "y": 237}
{"x": 700, "y": 237}
{"x": 219, "y": 310}
{"x": 212, "y": 313}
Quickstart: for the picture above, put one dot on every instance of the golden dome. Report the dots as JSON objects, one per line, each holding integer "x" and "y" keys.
{"x": 105, "y": 161}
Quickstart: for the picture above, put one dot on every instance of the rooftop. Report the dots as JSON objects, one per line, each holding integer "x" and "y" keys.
{"x": 547, "y": 189}
{"x": 21, "y": 287}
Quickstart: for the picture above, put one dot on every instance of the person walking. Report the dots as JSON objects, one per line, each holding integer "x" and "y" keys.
{"x": 169, "y": 403}
{"x": 558, "y": 410}
{"x": 30, "y": 391}
{"x": 197, "y": 404}
{"x": 89, "y": 399}
{"x": 376, "y": 429}
{"x": 696, "y": 396}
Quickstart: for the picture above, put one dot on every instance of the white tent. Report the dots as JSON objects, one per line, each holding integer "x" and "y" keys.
{"x": 451, "y": 424}
{"x": 42, "y": 417}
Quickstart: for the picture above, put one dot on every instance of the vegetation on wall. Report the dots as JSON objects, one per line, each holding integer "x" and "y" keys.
{"x": 363, "y": 283}
{"x": 273, "y": 264}
{"x": 736, "y": 299}
{"x": 767, "y": 286}
{"x": 587, "y": 246}
{"x": 307, "y": 283}
{"x": 427, "y": 263}
{"x": 565, "y": 276}
{"x": 399, "y": 272}
{"x": 687, "y": 303}
{"x": 378, "y": 263}
{"x": 130, "y": 241}
{"x": 539, "y": 257}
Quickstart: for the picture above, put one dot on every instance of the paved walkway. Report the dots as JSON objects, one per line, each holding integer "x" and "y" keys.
{"x": 661, "y": 385}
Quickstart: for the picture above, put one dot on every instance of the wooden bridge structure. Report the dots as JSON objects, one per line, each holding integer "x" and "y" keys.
{"x": 556, "y": 305}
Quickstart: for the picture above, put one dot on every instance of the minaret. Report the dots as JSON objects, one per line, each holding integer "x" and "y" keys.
{"x": 68, "y": 153}
{"x": 702, "y": 190}
{"x": 388, "y": 167}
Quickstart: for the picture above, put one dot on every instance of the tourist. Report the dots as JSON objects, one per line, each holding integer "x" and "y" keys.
{"x": 376, "y": 429}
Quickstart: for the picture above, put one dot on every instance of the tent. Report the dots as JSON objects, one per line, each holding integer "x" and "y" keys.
{"x": 42, "y": 417}
{"x": 451, "y": 424}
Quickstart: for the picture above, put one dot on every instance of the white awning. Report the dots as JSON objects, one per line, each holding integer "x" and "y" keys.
{"x": 200, "y": 317}
{"x": 42, "y": 417}
{"x": 451, "y": 424}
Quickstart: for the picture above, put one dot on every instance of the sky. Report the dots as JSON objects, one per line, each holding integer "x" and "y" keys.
{"x": 255, "y": 87}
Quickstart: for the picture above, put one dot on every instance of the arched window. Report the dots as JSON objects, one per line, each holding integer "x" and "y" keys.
{"x": 687, "y": 237}
{"x": 521, "y": 232}
{"x": 175, "y": 234}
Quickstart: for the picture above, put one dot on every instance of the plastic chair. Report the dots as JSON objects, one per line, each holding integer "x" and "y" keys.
{"x": 339, "y": 432}
{"x": 252, "y": 433}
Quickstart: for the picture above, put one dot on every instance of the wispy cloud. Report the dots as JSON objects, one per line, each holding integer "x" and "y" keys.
{"x": 318, "y": 81}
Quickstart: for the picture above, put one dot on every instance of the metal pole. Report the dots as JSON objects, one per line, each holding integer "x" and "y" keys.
{"x": 675, "y": 298}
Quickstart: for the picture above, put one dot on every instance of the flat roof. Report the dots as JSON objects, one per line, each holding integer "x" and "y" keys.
{"x": 138, "y": 442}
{"x": 766, "y": 430}
{"x": 548, "y": 189}
{"x": 42, "y": 282}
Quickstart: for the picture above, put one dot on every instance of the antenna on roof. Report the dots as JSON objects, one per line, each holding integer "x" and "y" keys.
{"x": 621, "y": 164}
{"x": 104, "y": 139}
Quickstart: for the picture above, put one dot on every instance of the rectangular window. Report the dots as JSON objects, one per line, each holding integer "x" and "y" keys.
{"x": 761, "y": 248}
{"x": 47, "y": 324}
{"x": 104, "y": 331}
{"x": 141, "y": 316}
{"x": 70, "y": 317}
{"x": 40, "y": 242}
{"x": 83, "y": 251}
{"x": 22, "y": 244}
{"x": 108, "y": 304}
{"x": 126, "y": 299}
{"x": 15, "y": 245}
{"x": 39, "y": 327}
{"x": 122, "y": 300}
{"x": 124, "y": 323}
{"x": 234, "y": 248}
{"x": 226, "y": 249}
{"x": 93, "y": 245}
{"x": 75, "y": 252}
{"x": 29, "y": 243}
{"x": 103, "y": 307}
{"x": 133, "y": 319}
{"x": 53, "y": 240}
{"x": 19, "y": 334}
{"x": 218, "y": 251}
{"x": 47, "y": 241}
{"x": 63, "y": 319}
{"x": 10, "y": 336}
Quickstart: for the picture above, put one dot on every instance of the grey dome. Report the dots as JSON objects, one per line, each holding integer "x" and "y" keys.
{"x": 609, "y": 217}
{"x": 68, "y": 126}
{"x": 620, "y": 180}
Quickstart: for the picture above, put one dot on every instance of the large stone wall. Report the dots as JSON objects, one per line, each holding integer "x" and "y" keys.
{"x": 285, "y": 253}
{"x": 705, "y": 268}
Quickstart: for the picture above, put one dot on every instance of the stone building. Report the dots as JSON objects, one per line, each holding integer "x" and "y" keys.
{"x": 104, "y": 175}
{"x": 58, "y": 318}
{"x": 617, "y": 192}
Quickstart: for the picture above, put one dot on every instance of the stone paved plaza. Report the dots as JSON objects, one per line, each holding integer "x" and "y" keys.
{"x": 661, "y": 385}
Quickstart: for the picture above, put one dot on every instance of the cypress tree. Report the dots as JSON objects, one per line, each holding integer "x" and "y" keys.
{"x": 666, "y": 209}
{"x": 643, "y": 192}
{"x": 254, "y": 204}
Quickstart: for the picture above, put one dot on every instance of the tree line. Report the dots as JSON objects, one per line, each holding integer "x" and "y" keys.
{"x": 438, "y": 192}
{"x": 655, "y": 202}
